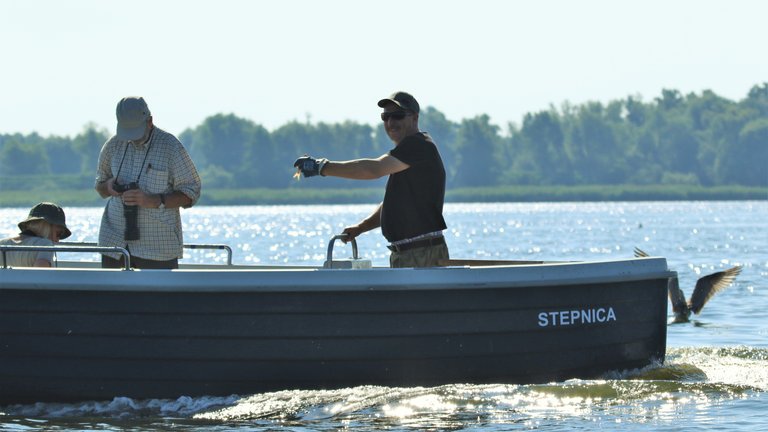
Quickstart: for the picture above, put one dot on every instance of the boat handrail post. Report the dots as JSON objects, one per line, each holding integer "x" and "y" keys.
{"x": 59, "y": 248}
{"x": 354, "y": 263}
{"x": 329, "y": 256}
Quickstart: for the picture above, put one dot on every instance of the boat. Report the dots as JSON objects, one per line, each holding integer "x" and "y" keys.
{"x": 78, "y": 332}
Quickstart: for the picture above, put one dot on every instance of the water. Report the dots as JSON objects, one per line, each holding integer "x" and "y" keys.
{"x": 715, "y": 376}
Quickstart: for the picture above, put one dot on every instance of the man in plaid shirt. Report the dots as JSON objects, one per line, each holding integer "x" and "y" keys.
{"x": 147, "y": 167}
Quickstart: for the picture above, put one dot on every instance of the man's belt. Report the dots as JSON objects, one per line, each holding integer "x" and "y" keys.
{"x": 434, "y": 241}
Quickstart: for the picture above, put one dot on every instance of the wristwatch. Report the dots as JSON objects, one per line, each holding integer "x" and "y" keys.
{"x": 162, "y": 201}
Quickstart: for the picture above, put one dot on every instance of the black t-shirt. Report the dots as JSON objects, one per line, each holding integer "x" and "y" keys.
{"x": 413, "y": 202}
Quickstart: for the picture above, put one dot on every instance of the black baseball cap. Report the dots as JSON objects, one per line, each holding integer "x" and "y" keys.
{"x": 403, "y": 100}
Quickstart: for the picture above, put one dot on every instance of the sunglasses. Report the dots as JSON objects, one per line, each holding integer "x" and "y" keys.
{"x": 397, "y": 115}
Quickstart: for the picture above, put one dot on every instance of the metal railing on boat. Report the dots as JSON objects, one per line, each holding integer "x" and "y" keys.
{"x": 186, "y": 246}
{"x": 66, "y": 248}
{"x": 213, "y": 246}
{"x": 86, "y": 247}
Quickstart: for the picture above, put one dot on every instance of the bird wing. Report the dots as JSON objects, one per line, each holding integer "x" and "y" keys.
{"x": 676, "y": 297}
{"x": 710, "y": 285}
{"x": 639, "y": 253}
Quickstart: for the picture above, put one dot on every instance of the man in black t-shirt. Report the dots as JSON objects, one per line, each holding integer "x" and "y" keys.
{"x": 411, "y": 215}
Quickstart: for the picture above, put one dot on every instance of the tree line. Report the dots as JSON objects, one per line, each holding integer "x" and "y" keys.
{"x": 675, "y": 139}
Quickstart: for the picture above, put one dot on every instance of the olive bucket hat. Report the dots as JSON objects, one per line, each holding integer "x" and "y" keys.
{"x": 49, "y": 212}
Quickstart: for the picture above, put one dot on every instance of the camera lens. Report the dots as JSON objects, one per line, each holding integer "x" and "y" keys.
{"x": 131, "y": 222}
{"x": 131, "y": 213}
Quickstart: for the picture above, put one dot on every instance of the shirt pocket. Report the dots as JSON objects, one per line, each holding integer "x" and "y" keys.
{"x": 157, "y": 181}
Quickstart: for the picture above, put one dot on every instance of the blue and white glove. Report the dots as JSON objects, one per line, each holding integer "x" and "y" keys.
{"x": 310, "y": 166}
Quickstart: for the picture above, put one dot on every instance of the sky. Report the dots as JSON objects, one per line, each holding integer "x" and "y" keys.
{"x": 66, "y": 64}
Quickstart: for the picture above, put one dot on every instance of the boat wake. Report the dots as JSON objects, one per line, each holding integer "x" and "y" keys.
{"x": 690, "y": 376}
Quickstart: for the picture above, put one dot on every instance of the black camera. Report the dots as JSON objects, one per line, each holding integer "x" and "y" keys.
{"x": 131, "y": 212}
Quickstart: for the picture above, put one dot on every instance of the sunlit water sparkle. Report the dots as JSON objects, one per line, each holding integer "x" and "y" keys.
{"x": 715, "y": 375}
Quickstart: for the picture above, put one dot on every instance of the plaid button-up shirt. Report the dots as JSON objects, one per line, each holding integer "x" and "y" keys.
{"x": 161, "y": 165}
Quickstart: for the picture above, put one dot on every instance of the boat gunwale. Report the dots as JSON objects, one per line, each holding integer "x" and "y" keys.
{"x": 317, "y": 279}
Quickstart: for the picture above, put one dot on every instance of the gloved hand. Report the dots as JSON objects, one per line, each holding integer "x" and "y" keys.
{"x": 310, "y": 166}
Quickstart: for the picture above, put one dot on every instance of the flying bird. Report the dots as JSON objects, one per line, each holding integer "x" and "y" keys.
{"x": 706, "y": 288}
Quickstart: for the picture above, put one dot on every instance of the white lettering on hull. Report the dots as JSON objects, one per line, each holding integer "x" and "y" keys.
{"x": 576, "y": 316}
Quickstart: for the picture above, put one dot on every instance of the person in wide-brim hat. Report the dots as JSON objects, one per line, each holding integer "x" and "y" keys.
{"x": 49, "y": 212}
{"x": 44, "y": 226}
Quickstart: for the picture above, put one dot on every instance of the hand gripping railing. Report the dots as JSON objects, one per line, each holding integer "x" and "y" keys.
{"x": 329, "y": 256}
{"x": 87, "y": 248}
